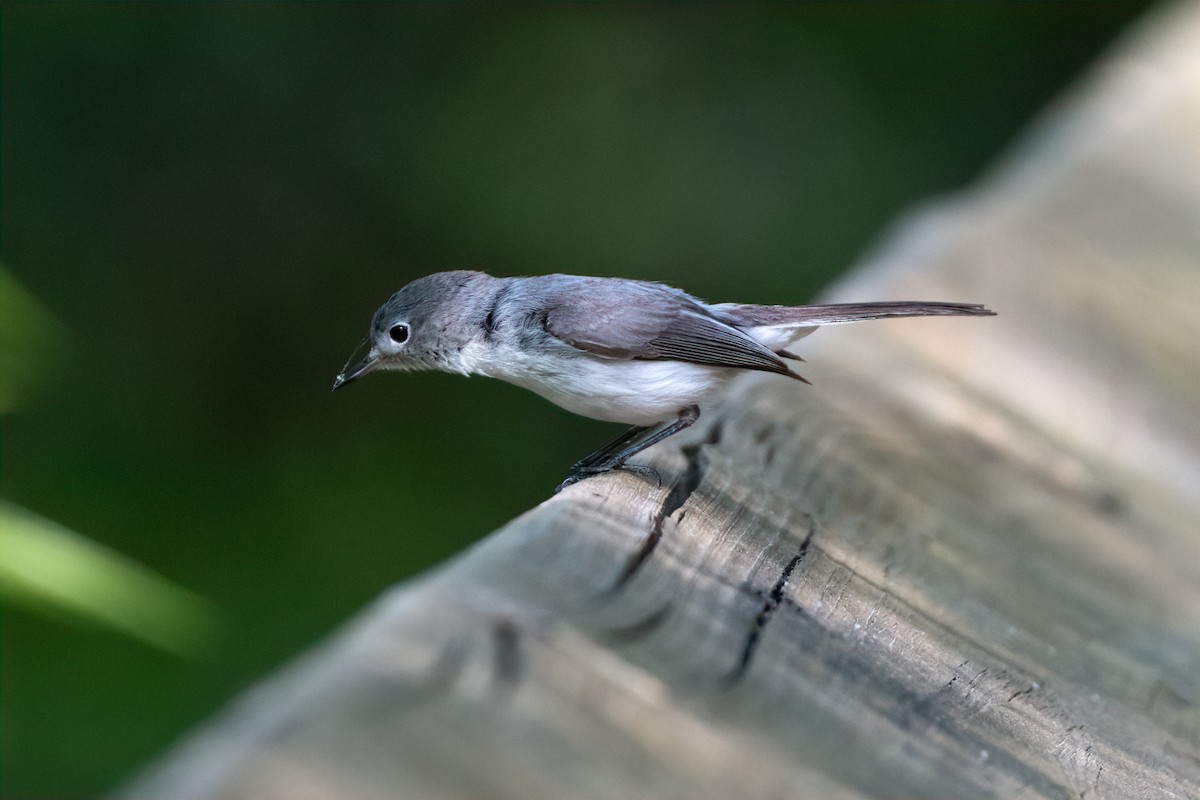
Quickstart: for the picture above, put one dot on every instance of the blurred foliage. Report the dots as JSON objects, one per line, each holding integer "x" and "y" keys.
{"x": 213, "y": 198}
{"x": 48, "y": 568}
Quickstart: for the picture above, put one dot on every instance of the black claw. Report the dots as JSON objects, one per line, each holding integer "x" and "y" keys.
{"x": 644, "y": 471}
{"x": 579, "y": 473}
{"x": 614, "y": 455}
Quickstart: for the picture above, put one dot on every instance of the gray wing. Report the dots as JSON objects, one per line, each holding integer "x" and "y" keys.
{"x": 647, "y": 321}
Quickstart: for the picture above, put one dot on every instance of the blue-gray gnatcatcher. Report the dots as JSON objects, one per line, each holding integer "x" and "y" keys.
{"x": 640, "y": 353}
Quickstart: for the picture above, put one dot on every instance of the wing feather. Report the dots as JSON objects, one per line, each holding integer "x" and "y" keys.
{"x": 647, "y": 321}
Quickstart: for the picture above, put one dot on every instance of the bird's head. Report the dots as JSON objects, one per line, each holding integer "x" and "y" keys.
{"x": 418, "y": 328}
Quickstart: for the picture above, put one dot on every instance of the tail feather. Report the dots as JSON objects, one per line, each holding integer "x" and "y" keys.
{"x": 746, "y": 315}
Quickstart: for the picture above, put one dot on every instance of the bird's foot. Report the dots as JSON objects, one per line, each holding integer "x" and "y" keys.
{"x": 579, "y": 472}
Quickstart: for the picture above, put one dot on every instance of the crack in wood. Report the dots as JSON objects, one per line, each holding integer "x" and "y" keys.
{"x": 1020, "y": 693}
{"x": 506, "y": 664}
{"x": 769, "y": 607}
{"x": 693, "y": 475}
{"x": 397, "y": 696}
{"x": 628, "y": 634}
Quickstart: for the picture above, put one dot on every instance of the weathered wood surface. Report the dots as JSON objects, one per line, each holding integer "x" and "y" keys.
{"x": 965, "y": 564}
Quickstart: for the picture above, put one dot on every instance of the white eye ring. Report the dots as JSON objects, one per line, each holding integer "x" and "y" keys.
{"x": 399, "y": 333}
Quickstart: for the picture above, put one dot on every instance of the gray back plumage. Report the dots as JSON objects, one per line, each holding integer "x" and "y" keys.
{"x": 626, "y": 319}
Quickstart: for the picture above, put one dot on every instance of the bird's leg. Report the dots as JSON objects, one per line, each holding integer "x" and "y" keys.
{"x": 624, "y": 448}
{"x": 587, "y": 465}
{"x": 687, "y": 417}
{"x": 610, "y": 448}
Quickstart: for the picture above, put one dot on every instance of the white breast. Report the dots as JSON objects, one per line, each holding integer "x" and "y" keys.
{"x": 633, "y": 392}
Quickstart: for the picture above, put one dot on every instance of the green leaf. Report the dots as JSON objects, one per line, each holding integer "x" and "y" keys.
{"x": 46, "y": 567}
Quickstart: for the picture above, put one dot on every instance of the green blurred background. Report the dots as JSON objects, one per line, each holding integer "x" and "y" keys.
{"x": 203, "y": 205}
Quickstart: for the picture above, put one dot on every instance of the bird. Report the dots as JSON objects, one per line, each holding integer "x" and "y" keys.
{"x": 615, "y": 349}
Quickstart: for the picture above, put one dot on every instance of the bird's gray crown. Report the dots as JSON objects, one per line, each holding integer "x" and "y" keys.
{"x": 423, "y": 302}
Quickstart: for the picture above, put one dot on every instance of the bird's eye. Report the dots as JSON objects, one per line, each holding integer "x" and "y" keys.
{"x": 399, "y": 334}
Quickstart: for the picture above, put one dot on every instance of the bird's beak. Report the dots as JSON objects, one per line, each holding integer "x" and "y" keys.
{"x": 356, "y": 369}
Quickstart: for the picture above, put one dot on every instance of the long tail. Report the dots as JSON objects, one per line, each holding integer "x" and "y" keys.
{"x": 744, "y": 315}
